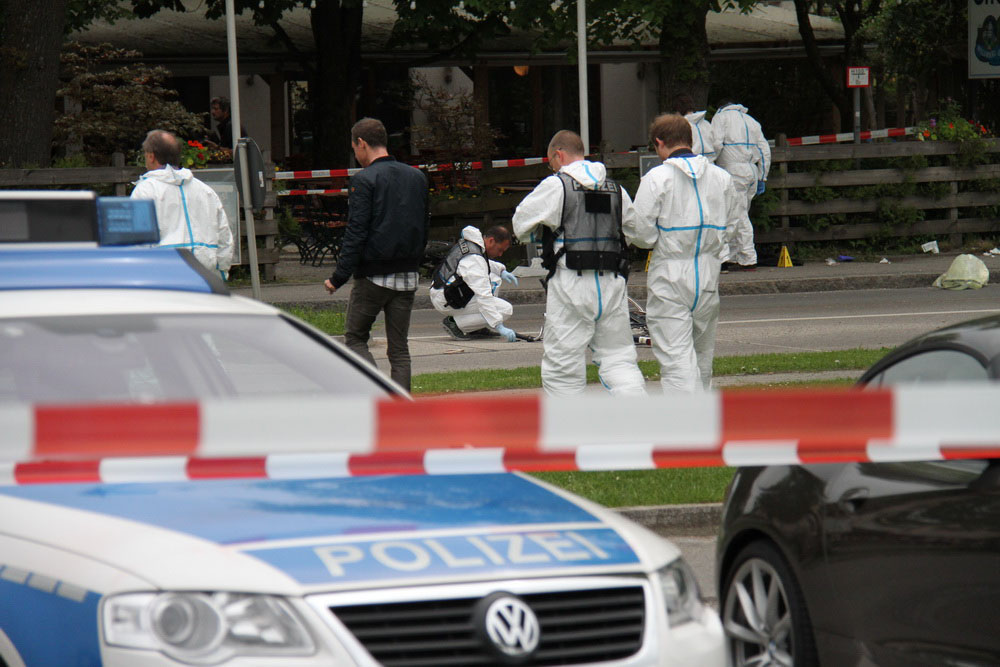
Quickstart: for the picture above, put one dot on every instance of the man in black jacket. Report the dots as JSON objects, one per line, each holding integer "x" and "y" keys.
{"x": 383, "y": 246}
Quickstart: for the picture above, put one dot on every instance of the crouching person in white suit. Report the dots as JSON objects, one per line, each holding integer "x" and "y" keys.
{"x": 465, "y": 285}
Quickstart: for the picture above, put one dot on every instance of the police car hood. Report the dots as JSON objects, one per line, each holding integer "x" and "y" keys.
{"x": 170, "y": 175}
{"x": 692, "y": 166}
{"x": 586, "y": 173}
{"x": 473, "y": 234}
{"x": 292, "y": 537}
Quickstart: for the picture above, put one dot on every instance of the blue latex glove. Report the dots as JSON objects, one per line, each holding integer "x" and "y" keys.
{"x": 509, "y": 277}
{"x": 760, "y": 187}
{"x": 506, "y": 333}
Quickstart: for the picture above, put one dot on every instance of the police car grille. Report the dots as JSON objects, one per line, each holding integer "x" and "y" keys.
{"x": 577, "y": 627}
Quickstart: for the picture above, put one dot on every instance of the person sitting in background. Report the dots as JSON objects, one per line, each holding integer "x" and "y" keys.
{"x": 224, "y": 124}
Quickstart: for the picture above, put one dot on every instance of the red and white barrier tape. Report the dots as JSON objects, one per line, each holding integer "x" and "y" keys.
{"x": 340, "y": 173}
{"x": 338, "y": 437}
{"x": 849, "y": 136}
{"x": 521, "y": 162}
{"x": 285, "y": 193}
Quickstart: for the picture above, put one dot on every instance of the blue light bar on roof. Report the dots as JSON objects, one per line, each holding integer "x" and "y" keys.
{"x": 125, "y": 221}
{"x": 106, "y": 268}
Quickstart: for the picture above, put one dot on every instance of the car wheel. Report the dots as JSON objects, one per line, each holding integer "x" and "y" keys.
{"x": 764, "y": 613}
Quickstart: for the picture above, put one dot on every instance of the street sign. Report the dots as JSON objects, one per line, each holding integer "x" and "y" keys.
{"x": 857, "y": 77}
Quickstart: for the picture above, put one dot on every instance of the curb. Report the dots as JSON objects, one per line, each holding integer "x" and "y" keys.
{"x": 827, "y": 284}
{"x": 726, "y": 288}
{"x": 702, "y": 518}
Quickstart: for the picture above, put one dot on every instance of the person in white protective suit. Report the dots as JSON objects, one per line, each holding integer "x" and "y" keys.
{"x": 578, "y": 213}
{"x": 702, "y": 138}
{"x": 465, "y": 285}
{"x": 745, "y": 154}
{"x": 189, "y": 213}
{"x": 686, "y": 210}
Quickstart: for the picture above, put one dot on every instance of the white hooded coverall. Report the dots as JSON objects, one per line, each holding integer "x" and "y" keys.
{"x": 586, "y": 308}
{"x": 685, "y": 210}
{"x": 485, "y": 309}
{"x": 189, "y": 214}
{"x": 702, "y": 138}
{"x": 745, "y": 154}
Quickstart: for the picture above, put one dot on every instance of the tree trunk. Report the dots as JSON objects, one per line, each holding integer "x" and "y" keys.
{"x": 684, "y": 56}
{"x": 31, "y": 34}
{"x": 336, "y": 27}
{"x": 832, "y": 90}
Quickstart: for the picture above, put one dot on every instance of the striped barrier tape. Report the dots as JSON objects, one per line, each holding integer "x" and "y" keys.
{"x": 849, "y": 136}
{"x": 340, "y": 173}
{"x": 346, "y": 437}
{"x": 521, "y": 162}
{"x": 285, "y": 193}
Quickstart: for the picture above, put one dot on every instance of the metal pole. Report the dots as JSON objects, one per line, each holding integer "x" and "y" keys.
{"x": 241, "y": 153}
{"x": 581, "y": 57}
{"x": 857, "y": 115}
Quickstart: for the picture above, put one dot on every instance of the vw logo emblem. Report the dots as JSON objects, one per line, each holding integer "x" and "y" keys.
{"x": 512, "y": 626}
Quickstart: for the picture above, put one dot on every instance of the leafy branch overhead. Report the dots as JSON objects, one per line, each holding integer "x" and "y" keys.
{"x": 112, "y": 109}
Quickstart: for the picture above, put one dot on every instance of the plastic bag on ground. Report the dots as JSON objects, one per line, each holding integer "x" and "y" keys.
{"x": 965, "y": 272}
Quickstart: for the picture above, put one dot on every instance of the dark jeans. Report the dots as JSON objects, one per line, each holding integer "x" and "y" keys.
{"x": 366, "y": 301}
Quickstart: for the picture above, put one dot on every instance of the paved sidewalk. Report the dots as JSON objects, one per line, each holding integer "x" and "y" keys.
{"x": 302, "y": 284}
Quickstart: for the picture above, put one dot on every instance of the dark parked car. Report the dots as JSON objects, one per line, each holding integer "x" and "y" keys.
{"x": 871, "y": 564}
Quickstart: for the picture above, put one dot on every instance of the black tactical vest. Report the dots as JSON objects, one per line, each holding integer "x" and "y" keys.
{"x": 457, "y": 293}
{"x": 591, "y": 229}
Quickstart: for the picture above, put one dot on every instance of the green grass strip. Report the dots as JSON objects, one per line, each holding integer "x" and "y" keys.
{"x": 627, "y": 488}
{"x": 328, "y": 321}
{"x": 495, "y": 379}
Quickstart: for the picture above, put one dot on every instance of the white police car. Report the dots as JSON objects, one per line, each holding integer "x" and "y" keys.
{"x": 392, "y": 570}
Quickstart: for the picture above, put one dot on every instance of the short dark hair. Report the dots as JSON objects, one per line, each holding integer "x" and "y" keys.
{"x": 164, "y": 146}
{"x": 683, "y": 104}
{"x": 498, "y": 233}
{"x": 221, "y": 102}
{"x": 567, "y": 140}
{"x": 672, "y": 129}
{"x": 372, "y": 131}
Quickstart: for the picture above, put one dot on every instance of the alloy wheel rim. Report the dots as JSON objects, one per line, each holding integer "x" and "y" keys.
{"x": 757, "y": 618}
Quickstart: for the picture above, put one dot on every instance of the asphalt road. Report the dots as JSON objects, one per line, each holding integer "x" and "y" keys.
{"x": 749, "y": 324}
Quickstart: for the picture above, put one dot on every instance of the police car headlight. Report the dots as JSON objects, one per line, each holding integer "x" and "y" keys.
{"x": 205, "y": 628}
{"x": 680, "y": 593}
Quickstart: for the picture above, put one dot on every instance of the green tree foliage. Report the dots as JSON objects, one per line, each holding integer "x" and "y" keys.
{"x": 852, "y": 14}
{"x": 334, "y": 68}
{"x": 677, "y": 25}
{"x": 81, "y": 13}
{"x": 116, "y": 106}
{"x": 450, "y": 133}
{"x": 918, "y": 41}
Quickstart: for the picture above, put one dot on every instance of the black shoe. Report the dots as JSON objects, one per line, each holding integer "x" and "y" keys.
{"x": 453, "y": 329}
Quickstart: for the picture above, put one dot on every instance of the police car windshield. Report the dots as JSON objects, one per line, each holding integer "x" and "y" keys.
{"x": 155, "y": 358}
